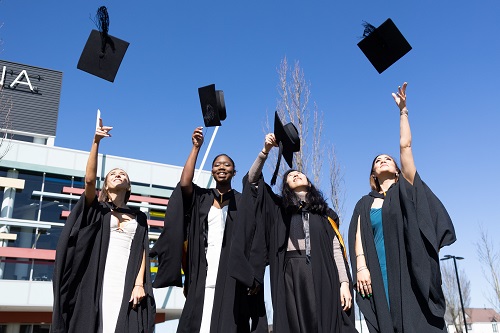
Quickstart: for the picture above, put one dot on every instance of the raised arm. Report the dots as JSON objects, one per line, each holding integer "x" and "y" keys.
{"x": 256, "y": 168}
{"x": 407, "y": 163}
{"x": 91, "y": 170}
{"x": 188, "y": 171}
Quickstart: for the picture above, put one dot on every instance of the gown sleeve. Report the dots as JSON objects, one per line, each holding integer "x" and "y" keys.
{"x": 73, "y": 252}
{"x": 169, "y": 246}
{"x": 249, "y": 251}
{"x": 427, "y": 227}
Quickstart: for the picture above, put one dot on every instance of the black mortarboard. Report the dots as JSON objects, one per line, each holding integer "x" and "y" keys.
{"x": 213, "y": 106}
{"x": 384, "y": 45}
{"x": 288, "y": 140}
{"x": 103, "y": 53}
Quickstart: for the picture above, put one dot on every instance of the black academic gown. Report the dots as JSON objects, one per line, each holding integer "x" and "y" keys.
{"x": 79, "y": 269}
{"x": 263, "y": 238}
{"x": 415, "y": 226}
{"x": 187, "y": 220}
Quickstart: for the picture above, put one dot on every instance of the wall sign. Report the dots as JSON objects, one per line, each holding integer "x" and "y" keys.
{"x": 22, "y": 79}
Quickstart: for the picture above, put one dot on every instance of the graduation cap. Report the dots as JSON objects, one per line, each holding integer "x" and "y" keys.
{"x": 288, "y": 140}
{"x": 213, "y": 106}
{"x": 384, "y": 45}
{"x": 103, "y": 53}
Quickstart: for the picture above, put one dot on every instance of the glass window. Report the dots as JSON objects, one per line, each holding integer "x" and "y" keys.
{"x": 41, "y": 328}
{"x": 47, "y": 238}
{"x": 43, "y": 270}
{"x": 51, "y": 207}
{"x": 20, "y": 269}
{"x": 25, "y": 205}
{"x": 25, "y": 236}
{"x": 19, "y": 137}
{"x": 15, "y": 268}
{"x": 34, "y": 329}
{"x": 495, "y": 328}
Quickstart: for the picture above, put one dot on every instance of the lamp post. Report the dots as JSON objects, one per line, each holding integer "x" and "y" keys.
{"x": 446, "y": 257}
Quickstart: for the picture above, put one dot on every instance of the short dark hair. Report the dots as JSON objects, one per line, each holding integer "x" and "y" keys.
{"x": 216, "y": 157}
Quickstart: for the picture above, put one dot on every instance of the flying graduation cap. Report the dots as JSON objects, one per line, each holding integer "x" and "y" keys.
{"x": 213, "y": 106}
{"x": 103, "y": 53}
{"x": 288, "y": 140}
{"x": 384, "y": 45}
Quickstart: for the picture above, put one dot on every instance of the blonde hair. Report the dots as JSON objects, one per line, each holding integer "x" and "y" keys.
{"x": 103, "y": 195}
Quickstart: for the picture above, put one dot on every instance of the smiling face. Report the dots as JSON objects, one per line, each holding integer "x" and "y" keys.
{"x": 223, "y": 169}
{"x": 117, "y": 179}
{"x": 297, "y": 181}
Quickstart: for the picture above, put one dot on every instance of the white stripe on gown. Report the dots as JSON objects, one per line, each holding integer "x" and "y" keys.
{"x": 216, "y": 225}
{"x": 120, "y": 241}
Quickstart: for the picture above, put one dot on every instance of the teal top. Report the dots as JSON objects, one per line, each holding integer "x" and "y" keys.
{"x": 378, "y": 235}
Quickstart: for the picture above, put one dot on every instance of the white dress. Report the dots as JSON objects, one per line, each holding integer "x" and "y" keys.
{"x": 120, "y": 241}
{"x": 216, "y": 225}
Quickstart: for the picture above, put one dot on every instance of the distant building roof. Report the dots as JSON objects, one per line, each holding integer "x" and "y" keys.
{"x": 482, "y": 315}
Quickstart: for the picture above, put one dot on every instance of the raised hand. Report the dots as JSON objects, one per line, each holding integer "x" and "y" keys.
{"x": 269, "y": 142}
{"x": 197, "y": 137}
{"x": 102, "y": 131}
{"x": 400, "y": 96}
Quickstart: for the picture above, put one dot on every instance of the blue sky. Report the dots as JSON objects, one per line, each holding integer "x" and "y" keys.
{"x": 178, "y": 46}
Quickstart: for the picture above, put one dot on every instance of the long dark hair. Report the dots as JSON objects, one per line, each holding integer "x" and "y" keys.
{"x": 374, "y": 184}
{"x": 316, "y": 203}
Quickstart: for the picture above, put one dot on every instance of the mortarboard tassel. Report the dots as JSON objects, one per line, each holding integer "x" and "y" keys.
{"x": 368, "y": 29}
{"x": 102, "y": 23}
{"x": 275, "y": 174}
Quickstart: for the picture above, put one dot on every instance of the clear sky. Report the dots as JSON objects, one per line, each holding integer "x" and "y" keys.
{"x": 178, "y": 46}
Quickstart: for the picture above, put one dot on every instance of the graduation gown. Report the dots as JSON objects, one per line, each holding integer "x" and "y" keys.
{"x": 187, "y": 220}
{"x": 81, "y": 256}
{"x": 263, "y": 237}
{"x": 415, "y": 226}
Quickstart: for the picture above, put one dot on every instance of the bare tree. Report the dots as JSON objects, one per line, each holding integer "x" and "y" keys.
{"x": 489, "y": 256}
{"x": 293, "y": 106}
{"x": 337, "y": 190}
{"x": 450, "y": 290}
{"x": 5, "y": 120}
{"x": 6, "y": 134}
